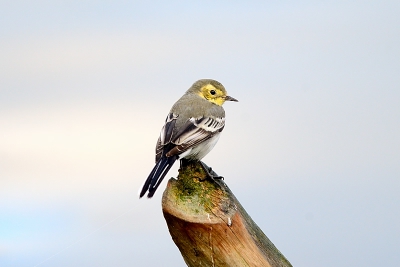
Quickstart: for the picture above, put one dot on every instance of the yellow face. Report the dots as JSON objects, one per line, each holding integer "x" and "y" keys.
{"x": 213, "y": 94}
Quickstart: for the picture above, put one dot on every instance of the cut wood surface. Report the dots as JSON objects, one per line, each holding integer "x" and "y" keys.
{"x": 210, "y": 227}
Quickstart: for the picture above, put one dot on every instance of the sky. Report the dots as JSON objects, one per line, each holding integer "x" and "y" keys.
{"x": 312, "y": 149}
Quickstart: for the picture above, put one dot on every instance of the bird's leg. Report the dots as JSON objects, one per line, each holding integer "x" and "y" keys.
{"x": 183, "y": 163}
{"x": 210, "y": 173}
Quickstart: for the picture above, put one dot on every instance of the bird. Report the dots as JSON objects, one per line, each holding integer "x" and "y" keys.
{"x": 191, "y": 129}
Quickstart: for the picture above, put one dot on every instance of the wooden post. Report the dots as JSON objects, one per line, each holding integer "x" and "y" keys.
{"x": 210, "y": 227}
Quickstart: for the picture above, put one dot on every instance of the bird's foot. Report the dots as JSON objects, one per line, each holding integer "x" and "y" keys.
{"x": 209, "y": 171}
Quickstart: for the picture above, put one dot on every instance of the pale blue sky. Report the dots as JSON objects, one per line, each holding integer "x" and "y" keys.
{"x": 312, "y": 149}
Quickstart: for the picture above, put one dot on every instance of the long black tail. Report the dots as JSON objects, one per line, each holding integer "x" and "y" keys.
{"x": 157, "y": 175}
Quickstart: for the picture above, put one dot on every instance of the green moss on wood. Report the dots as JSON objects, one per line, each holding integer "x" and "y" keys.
{"x": 194, "y": 205}
{"x": 196, "y": 193}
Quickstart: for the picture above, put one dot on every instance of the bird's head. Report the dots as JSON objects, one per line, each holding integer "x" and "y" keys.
{"x": 212, "y": 91}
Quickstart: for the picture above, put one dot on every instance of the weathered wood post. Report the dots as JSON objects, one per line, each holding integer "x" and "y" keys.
{"x": 210, "y": 227}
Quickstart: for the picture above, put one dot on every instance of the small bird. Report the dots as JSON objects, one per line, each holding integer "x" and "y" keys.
{"x": 191, "y": 129}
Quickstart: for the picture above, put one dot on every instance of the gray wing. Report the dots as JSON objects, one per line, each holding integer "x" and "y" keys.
{"x": 194, "y": 132}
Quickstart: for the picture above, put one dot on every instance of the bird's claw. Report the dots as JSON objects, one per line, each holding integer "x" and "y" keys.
{"x": 210, "y": 173}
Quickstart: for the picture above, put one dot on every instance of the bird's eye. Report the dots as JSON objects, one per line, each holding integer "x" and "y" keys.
{"x": 212, "y": 92}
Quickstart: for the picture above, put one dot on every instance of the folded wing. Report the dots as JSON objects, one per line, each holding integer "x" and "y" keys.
{"x": 194, "y": 132}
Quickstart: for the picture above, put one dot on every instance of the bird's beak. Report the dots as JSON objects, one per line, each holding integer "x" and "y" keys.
{"x": 229, "y": 98}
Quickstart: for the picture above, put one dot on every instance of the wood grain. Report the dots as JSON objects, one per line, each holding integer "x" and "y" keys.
{"x": 210, "y": 227}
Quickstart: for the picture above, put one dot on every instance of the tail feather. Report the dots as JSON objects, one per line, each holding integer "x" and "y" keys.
{"x": 161, "y": 173}
{"x": 157, "y": 175}
{"x": 149, "y": 179}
